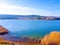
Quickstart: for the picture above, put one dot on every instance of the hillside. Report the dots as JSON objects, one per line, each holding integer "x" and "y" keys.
{"x": 29, "y": 17}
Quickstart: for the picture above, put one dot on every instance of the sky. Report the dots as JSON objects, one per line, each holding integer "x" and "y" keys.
{"x": 30, "y": 7}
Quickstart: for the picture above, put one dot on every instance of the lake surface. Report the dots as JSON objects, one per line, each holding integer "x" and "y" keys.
{"x": 30, "y": 28}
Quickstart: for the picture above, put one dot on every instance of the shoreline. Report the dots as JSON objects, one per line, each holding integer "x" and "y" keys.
{"x": 46, "y": 40}
{"x": 53, "y": 38}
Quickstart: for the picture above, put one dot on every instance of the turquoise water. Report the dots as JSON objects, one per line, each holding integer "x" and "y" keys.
{"x": 32, "y": 28}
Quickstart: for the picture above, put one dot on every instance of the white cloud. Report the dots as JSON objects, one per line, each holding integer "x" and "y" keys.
{"x": 19, "y": 10}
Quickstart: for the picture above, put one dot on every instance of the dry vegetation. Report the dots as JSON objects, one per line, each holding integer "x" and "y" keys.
{"x": 52, "y": 39}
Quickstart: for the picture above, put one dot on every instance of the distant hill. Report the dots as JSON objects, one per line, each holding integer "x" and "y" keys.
{"x": 18, "y": 16}
{"x": 28, "y": 17}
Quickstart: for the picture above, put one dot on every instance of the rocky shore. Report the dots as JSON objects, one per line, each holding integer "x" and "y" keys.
{"x": 3, "y": 30}
{"x": 51, "y": 39}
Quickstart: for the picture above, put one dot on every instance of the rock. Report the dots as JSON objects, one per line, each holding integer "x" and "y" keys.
{"x": 39, "y": 40}
{"x": 52, "y": 39}
{"x": 3, "y": 30}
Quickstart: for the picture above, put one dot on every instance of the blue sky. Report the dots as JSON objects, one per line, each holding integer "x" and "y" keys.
{"x": 27, "y": 7}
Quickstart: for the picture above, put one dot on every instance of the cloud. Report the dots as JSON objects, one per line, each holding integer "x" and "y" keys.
{"x": 5, "y": 8}
{"x": 19, "y": 10}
